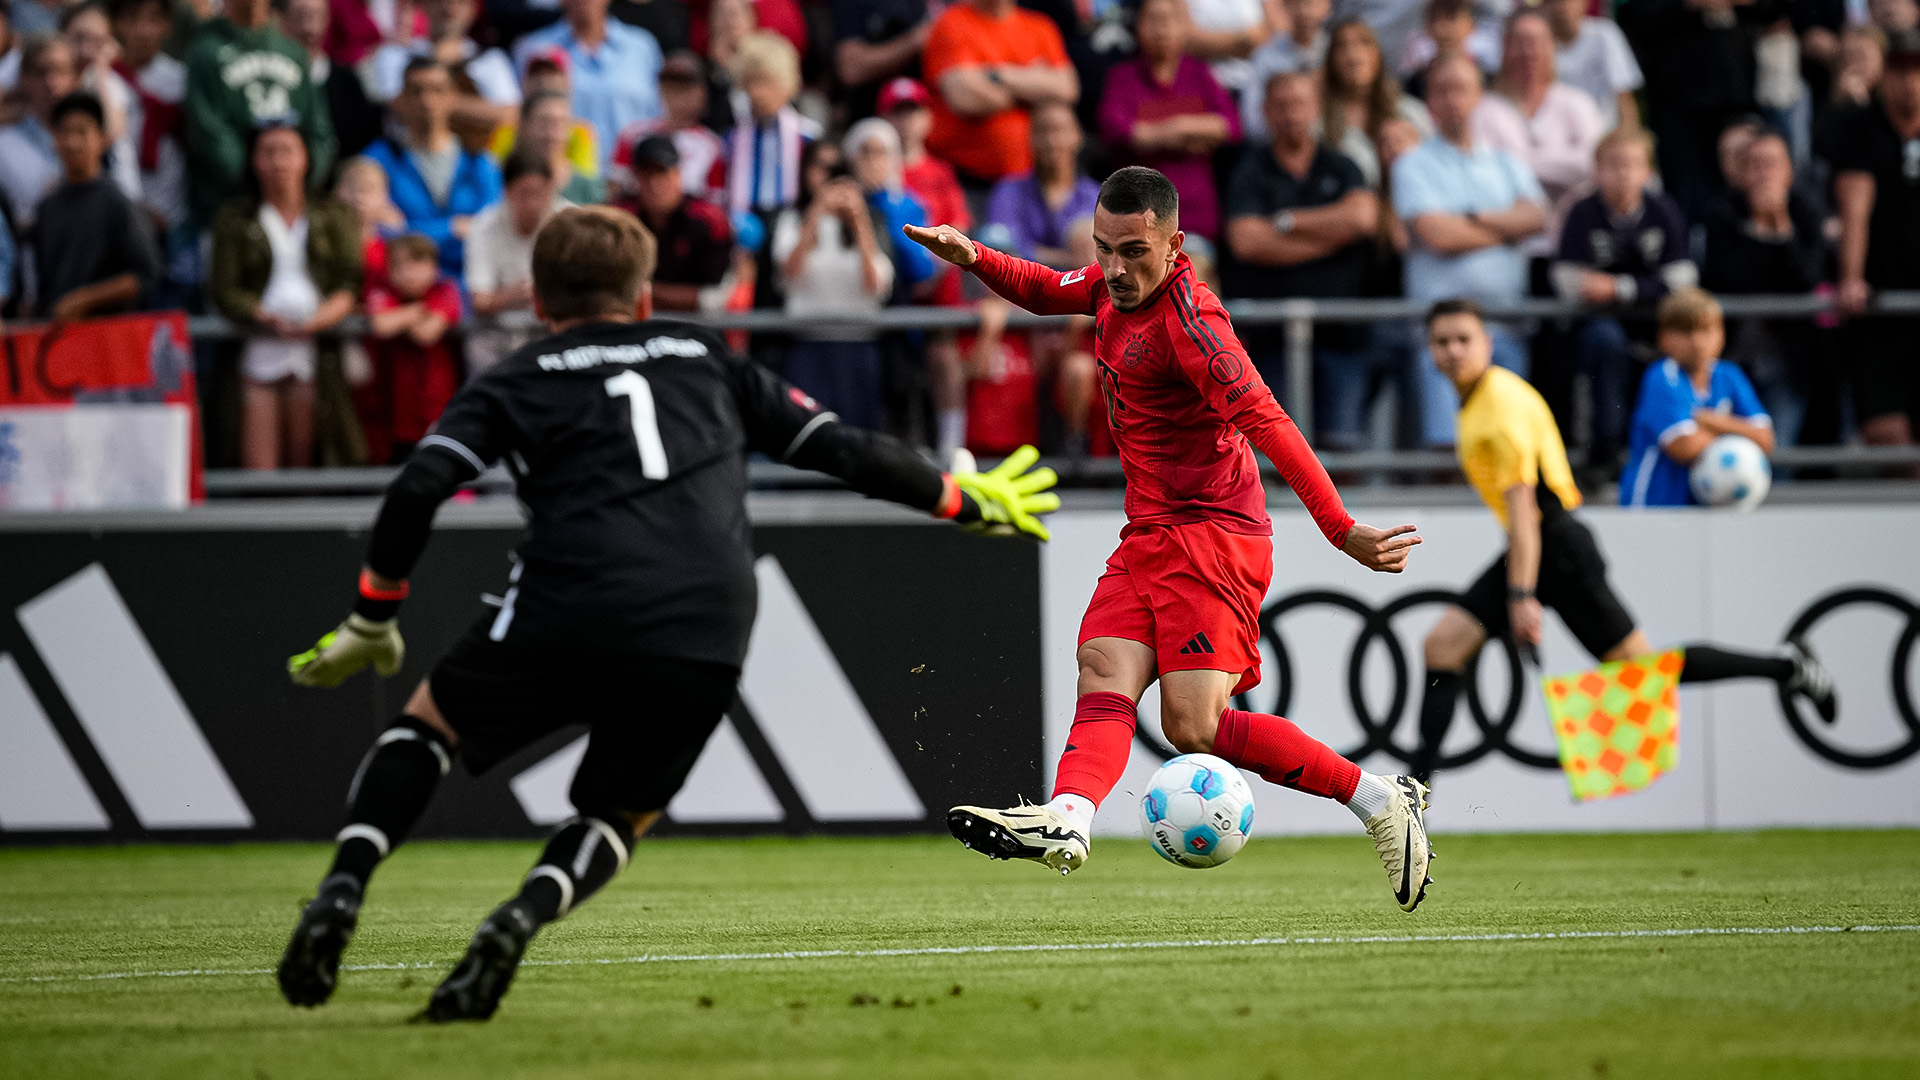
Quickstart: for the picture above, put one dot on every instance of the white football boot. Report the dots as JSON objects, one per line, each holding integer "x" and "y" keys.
{"x": 1020, "y": 832}
{"x": 1400, "y": 836}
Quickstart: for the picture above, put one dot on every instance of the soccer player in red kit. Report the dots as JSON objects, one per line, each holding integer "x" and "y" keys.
{"x": 1180, "y": 599}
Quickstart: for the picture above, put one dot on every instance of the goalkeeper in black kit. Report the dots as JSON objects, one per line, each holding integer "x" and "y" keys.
{"x": 631, "y": 598}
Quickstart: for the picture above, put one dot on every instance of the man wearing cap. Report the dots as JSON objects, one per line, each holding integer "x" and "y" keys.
{"x": 615, "y": 68}
{"x": 1876, "y": 166}
{"x": 904, "y": 102}
{"x": 683, "y": 92}
{"x": 874, "y": 41}
{"x": 695, "y": 241}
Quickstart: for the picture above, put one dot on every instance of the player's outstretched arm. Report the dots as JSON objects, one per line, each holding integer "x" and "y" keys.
{"x": 787, "y": 425}
{"x": 370, "y": 634}
{"x": 1006, "y": 499}
{"x": 1040, "y": 289}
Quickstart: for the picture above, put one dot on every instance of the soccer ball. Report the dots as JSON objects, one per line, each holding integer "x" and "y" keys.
{"x": 1731, "y": 471}
{"x": 1197, "y": 811}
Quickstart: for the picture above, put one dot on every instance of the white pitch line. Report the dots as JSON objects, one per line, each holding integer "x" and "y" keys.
{"x": 1045, "y": 947}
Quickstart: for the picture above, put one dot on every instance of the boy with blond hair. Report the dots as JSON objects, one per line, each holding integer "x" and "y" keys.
{"x": 1687, "y": 399}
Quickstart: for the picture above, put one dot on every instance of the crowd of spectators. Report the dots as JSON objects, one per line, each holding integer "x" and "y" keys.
{"x": 289, "y": 163}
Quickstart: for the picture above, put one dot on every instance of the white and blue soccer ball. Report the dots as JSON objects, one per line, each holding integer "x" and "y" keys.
{"x": 1732, "y": 471}
{"x": 1197, "y": 812}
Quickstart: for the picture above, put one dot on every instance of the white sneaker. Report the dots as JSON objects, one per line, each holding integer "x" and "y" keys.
{"x": 1400, "y": 836}
{"x": 1021, "y": 832}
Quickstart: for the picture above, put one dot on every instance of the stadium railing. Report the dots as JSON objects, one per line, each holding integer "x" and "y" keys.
{"x": 1299, "y": 317}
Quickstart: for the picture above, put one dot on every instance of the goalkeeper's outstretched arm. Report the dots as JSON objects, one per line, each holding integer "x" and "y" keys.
{"x": 1009, "y": 497}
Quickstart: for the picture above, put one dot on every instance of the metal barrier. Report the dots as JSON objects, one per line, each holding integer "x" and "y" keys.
{"x": 1298, "y": 316}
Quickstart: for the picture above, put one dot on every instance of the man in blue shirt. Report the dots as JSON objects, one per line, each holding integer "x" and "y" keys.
{"x": 1686, "y": 401}
{"x": 615, "y": 68}
{"x": 435, "y": 182}
{"x": 1467, "y": 208}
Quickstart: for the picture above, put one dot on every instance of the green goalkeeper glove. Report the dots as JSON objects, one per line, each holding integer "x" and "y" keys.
{"x": 1009, "y": 496}
{"x": 351, "y": 646}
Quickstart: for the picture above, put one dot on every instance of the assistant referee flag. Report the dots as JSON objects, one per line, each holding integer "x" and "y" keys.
{"x": 1618, "y": 725}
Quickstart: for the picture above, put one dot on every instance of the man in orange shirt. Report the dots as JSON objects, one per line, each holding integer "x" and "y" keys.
{"x": 989, "y": 62}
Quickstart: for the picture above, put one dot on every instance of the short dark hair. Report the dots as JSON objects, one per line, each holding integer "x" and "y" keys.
{"x": 541, "y": 97}
{"x": 591, "y": 261}
{"x": 1458, "y": 305}
{"x": 79, "y": 101}
{"x": 121, "y": 9}
{"x": 419, "y": 64}
{"x": 525, "y": 161}
{"x": 416, "y": 246}
{"x": 1137, "y": 189}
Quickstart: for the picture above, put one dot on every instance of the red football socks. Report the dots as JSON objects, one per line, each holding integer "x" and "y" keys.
{"x": 1278, "y": 750}
{"x": 1097, "y": 746}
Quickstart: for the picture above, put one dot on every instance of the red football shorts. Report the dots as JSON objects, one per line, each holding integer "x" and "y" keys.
{"x": 1190, "y": 592}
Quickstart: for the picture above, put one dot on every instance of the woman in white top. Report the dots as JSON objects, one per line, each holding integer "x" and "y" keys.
{"x": 289, "y": 269}
{"x": 1359, "y": 95}
{"x": 832, "y": 260}
{"x": 1547, "y": 124}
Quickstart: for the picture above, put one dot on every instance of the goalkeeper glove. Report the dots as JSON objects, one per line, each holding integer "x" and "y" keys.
{"x": 351, "y": 646}
{"x": 1008, "y": 496}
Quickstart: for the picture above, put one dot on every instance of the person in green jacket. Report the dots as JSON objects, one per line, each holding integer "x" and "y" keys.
{"x": 242, "y": 71}
{"x": 287, "y": 268}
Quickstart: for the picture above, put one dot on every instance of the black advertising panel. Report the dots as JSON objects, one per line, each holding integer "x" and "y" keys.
{"x": 143, "y": 687}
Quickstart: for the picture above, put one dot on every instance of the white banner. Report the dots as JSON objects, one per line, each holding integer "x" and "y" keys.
{"x": 1741, "y": 580}
{"x": 95, "y": 456}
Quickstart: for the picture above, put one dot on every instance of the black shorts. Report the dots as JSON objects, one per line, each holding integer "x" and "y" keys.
{"x": 1573, "y": 582}
{"x": 648, "y": 716}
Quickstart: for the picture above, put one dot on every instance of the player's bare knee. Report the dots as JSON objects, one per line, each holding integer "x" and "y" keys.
{"x": 1190, "y": 721}
{"x": 422, "y": 707}
{"x": 1106, "y": 667}
{"x": 1453, "y": 641}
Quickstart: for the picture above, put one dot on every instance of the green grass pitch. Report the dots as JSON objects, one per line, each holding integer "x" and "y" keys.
{"x": 1751, "y": 1006}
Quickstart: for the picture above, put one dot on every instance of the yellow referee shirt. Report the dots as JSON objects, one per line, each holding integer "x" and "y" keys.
{"x": 1507, "y": 437}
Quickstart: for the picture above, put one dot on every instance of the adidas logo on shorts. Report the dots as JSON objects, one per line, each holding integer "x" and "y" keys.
{"x": 1198, "y": 643}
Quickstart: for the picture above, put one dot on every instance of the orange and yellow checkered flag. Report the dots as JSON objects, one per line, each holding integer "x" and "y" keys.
{"x": 1618, "y": 725}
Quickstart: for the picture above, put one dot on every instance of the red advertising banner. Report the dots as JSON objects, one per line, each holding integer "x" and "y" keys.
{"x": 119, "y": 361}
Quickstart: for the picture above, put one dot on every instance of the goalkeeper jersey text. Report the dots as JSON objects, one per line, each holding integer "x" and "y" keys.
{"x": 629, "y": 443}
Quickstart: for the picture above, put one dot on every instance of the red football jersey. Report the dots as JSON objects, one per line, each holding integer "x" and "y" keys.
{"x": 1182, "y": 399}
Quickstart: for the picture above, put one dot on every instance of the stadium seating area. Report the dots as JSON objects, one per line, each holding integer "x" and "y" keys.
{"x": 345, "y": 192}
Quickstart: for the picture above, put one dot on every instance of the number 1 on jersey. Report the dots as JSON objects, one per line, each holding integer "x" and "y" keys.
{"x": 646, "y": 425}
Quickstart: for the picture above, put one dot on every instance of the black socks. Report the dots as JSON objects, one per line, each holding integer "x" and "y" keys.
{"x": 581, "y": 857}
{"x": 389, "y": 793}
{"x": 1436, "y": 715}
{"x": 1711, "y": 663}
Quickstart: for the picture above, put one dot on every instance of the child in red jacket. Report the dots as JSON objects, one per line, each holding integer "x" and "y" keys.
{"x": 414, "y": 371}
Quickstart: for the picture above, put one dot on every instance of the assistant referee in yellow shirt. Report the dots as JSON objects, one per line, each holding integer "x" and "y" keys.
{"x": 1514, "y": 458}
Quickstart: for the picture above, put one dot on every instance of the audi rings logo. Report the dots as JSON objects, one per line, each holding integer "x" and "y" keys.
{"x": 1814, "y": 735}
{"x": 1495, "y": 726}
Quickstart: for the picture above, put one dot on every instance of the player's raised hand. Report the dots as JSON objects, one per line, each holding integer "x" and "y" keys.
{"x": 945, "y": 241}
{"x": 1385, "y": 550}
{"x": 351, "y": 646}
{"x": 1009, "y": 496}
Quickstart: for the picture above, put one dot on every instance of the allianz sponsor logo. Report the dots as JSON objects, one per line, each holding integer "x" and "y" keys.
{"x": 590, "y": 356}
{"x": 127, "y": 709}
